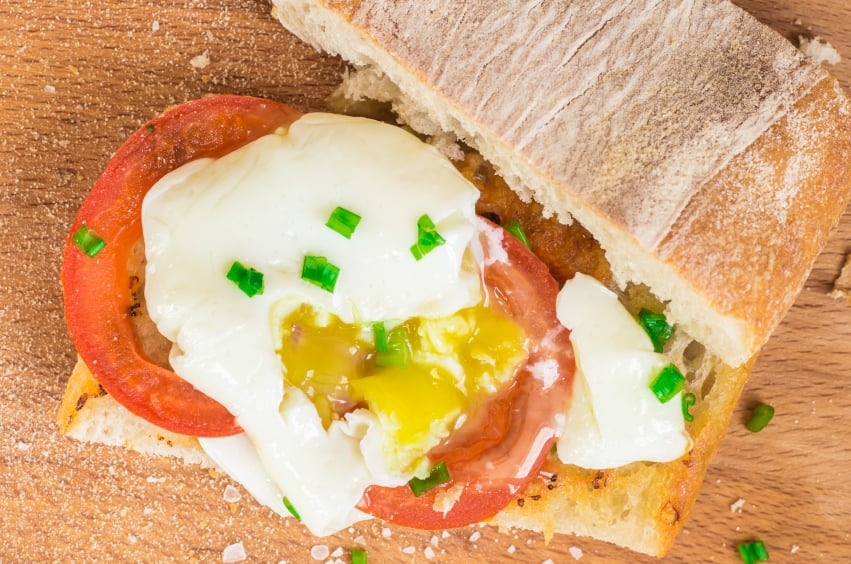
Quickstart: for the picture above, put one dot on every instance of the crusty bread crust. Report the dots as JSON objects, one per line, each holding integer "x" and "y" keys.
{"x": 629, "y": 117}
{"x": 641, "y": 506}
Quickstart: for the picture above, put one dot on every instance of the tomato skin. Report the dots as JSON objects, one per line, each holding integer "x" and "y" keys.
{"x": 513, "y": 435}
{"x": 97, "y": 289}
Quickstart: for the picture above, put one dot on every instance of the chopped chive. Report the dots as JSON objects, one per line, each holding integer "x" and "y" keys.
{"x": 397, "y": 349}
{"x": 689, "y": 400}
{"x": 318, "y": 271}
{"x": 668, "y": 383}
{"x": 752, "y": 552}
{"x": 291, "y": 509}
{"x": 88, "y": 241}
{"x": 760, "y": 417}
{"x": 436, "y": 476}
{"x": 428, "y": 238}
{"x": 248, "y": 280}
{"x": 358, "y": 556}
{"x": 380, "y": 336}
{"x": 343, "y": 221}
{"x": 657, "y": 328}
{"x": 516, "y": 229}
{"x": 150, "y": 128}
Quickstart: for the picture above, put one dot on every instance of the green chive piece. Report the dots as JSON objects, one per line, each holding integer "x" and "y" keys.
{"x": 436, "y": 476}
{"x": 428, "y": 238}
{"x": 516, "y": 229}
{"x": 358, "y": 556}
{"x": 752, "y": 552}
{"x": 343, "y": 222}
{"x": 291, "y": 509}
{"x": 689, "y": 400}
{"x": 380, "y": 336}
{"x": 657, "y": 328}
{"x": 397, "y": 349}
{"x": 318, "y": 271}
{"x": 760, "y": 417}
{"x": 668, "y": 383}
{"x": 248, "y": 280}
{"x": 88, "y": 241}
{"x": 150, "y": 128}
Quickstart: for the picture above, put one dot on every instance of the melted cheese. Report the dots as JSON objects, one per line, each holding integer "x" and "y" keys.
{"x": 614, "y": 417}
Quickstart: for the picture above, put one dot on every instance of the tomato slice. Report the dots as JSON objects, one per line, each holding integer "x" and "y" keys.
{"x": 97, "y": 292}
{"x": 494, "y": 457}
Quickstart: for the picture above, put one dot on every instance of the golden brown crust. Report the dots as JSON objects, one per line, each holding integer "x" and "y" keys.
{"x": 662, "y": 97}
{"x": 749, "y": 237}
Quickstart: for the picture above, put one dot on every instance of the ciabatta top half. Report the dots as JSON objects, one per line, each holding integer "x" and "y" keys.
{"x": 707, "y": 155}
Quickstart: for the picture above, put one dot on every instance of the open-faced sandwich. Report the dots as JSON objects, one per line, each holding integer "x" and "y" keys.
{"x": 549, "y": 329}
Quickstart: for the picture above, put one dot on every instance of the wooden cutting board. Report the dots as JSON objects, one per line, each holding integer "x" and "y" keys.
{"x": 77, "y": 77}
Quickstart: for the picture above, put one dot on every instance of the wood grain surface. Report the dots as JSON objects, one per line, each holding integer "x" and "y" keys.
{"x": 76, "y": 78}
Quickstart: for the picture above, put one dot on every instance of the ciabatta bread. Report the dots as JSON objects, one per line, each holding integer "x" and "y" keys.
{"x": 706, "y": 155}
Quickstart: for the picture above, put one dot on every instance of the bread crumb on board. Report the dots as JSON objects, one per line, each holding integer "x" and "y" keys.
{"x": 819, "y": 50}
{"x": 842, "y": 285}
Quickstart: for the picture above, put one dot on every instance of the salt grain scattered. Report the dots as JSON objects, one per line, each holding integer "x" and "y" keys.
{"x": 200, "y": 61}
{"x": 386, "y": 532}
{"x": 155, "y": 25}
{"x": 23, "y": 446}
{"x": 234, "y": 553}
{"x": 444, "y": 535}
{"x": 319, "y": 552}
{"x": 475, "y": 536}
{"x": 429, "y": 552}
{"x": 409, "y": 550}
{"x": 50, "y": 89}
{"x": 795, "y": 548}
{"x": 338, "y": 552}
{"x": 576, "y": 552}
{"x": 434, "y": 540}
{"x": 231, "y": 494}
{"x": 736, "y": 506}
{"x": 147, "y": 511}
{"x": 360, "y": 540}
{"x": 548, "y": 561}
{"x": 511, "y": 549}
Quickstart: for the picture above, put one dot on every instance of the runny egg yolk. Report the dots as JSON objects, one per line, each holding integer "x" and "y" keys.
{"x": 453, "y": 363}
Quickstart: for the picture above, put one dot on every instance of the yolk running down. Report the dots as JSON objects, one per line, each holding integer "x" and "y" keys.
{"x": 419, "y": 397}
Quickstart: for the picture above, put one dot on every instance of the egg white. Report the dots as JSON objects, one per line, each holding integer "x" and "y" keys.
{"x": 266, "y": 205}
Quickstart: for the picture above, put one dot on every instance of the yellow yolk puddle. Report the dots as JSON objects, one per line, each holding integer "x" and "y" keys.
{"x": 454, "y": 362}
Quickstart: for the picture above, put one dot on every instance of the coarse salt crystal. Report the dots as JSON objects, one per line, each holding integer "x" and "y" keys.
{"x": 795, "y": 548}
{"x": 319, "y": 552}
{"x": 23, "y": 446}
{"x": 147, "y": 511}
{"x": 338, "y": 552}
{"x": 737, "y": 505}
{"x": 409, "y": 550}
{"x": 576, "y": 552}
{"x": 155, "y": 25}
{"x": 386, "y": 532}
{"x": 429, "y": 552}
{"x": 434, "y": 540}
{"x": 359, "y": 540}
{"x": 234, "y": 553}
{"x": 231, "y": 494}
{"x": 548, "y": 561}
{"x": 50, "y": 89}
{"x": 511, "y": 549}
{"x": 444, "y": 535}
{"x": 475, "y": 536}
{"x": 200, "y": 61}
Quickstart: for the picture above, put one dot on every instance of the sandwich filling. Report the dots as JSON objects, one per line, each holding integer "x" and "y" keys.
{"x": 381, "y": 349}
